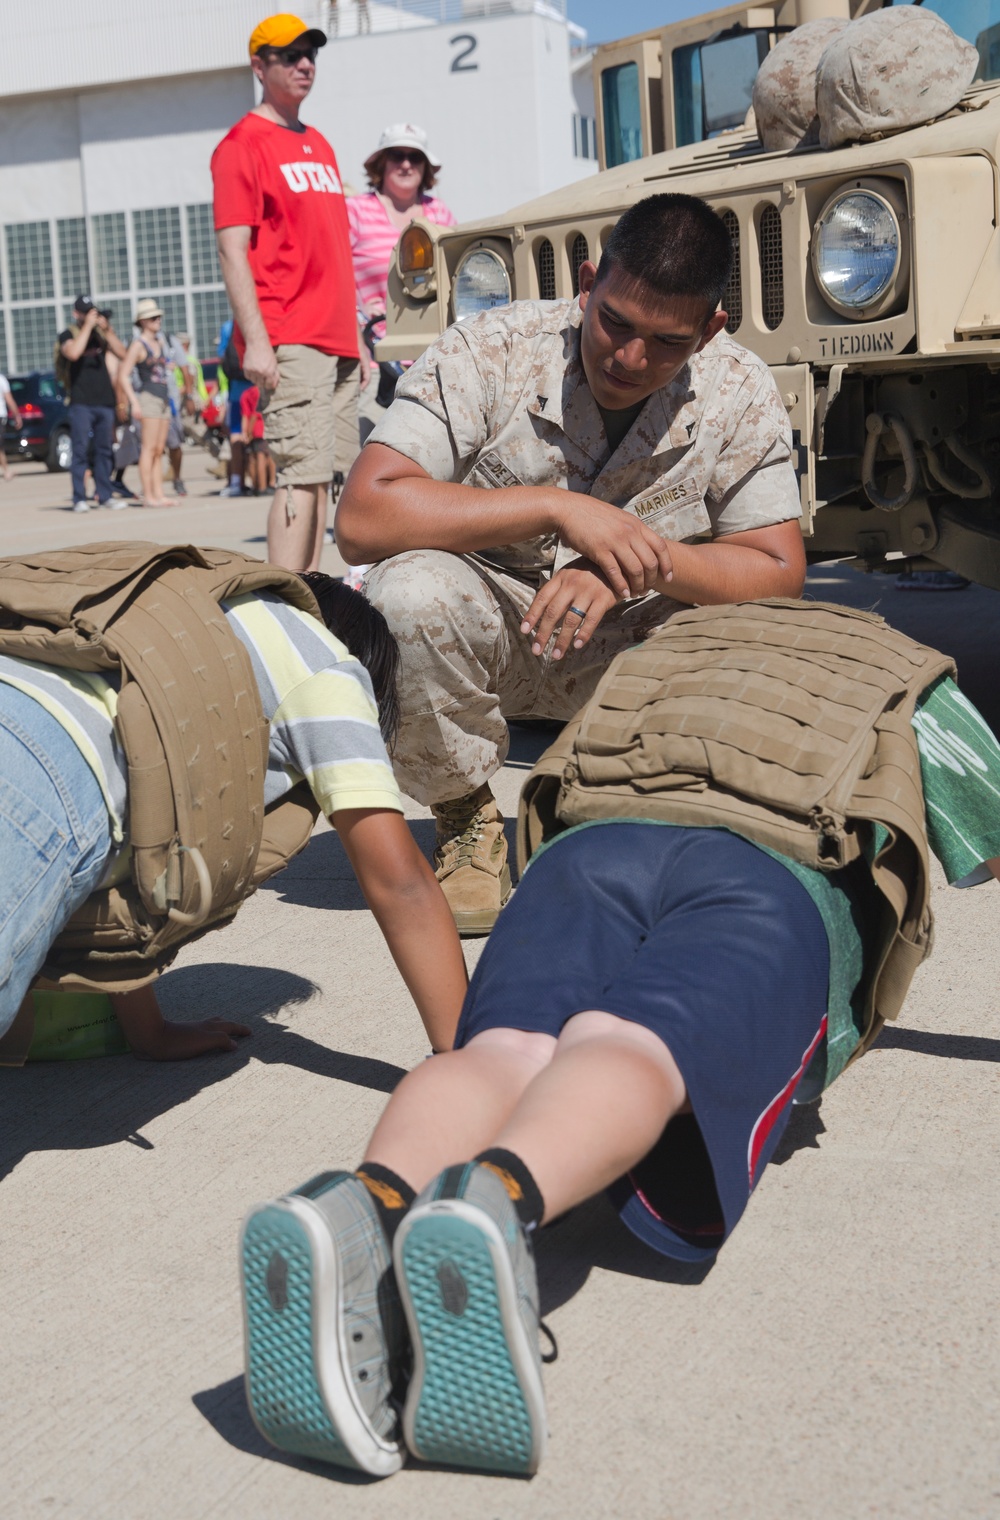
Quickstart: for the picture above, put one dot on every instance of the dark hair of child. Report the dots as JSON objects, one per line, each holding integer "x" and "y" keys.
{"x": 352, "y": 619}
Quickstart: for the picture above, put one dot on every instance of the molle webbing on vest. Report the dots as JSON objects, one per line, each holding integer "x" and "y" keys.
{"x": 190, "y": 722}
{"x": 788, "y": 722}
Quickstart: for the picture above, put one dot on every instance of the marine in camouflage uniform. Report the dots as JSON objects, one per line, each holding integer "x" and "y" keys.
{"x": 503, "y": 401}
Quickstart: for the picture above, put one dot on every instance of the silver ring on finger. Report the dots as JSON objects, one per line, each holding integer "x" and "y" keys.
{"x": 580, "y": 613}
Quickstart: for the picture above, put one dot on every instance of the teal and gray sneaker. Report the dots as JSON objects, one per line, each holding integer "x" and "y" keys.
{"x": 325, "y": 1334}
{"x": 466, "y": 1277}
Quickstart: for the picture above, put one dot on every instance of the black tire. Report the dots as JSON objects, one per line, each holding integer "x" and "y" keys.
{"x": 60, "y": 454}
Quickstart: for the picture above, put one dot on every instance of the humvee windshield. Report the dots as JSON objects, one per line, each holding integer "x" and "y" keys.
{"x": 978, "y": 21}
{"x": 622, "y": 114}
{"x": 713, "y": 80}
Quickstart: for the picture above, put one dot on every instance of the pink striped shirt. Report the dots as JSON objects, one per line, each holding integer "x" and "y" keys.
{"x": 373, "y": 238}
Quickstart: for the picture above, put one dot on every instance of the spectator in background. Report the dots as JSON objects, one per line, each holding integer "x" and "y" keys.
{"x": 126, "y": 445}
{"x": 150, "y": 407}
{"x": 401, "y": 172}
{"x": 261, "y": 465}
{"x": 199, "y": 390}
{"x": 231, "y": 373}
{"x": 285, "y": 251}
{"x": 82, "y": 370}
{"x": 180, "y": 387}
{"x": 8, "y": 409}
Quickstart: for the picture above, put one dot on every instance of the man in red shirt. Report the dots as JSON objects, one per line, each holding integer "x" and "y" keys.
{"x": 281, "y": 227}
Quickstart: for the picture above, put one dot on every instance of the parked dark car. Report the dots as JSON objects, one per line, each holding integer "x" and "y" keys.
{"x": 44, "y": 434}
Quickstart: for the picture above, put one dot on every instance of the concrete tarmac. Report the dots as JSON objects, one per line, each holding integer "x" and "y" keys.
{"x": 839, "y": 1360}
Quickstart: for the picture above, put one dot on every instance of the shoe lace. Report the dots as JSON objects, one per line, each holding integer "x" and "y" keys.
{"x": 467, "y": 832}
{"x": 553, "y": 1352}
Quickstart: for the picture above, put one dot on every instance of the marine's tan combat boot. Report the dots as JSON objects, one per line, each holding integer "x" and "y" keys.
{"x": 471, "y": 860}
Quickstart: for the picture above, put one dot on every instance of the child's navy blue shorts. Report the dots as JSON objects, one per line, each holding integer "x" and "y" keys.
{"x": 714, "y": 946}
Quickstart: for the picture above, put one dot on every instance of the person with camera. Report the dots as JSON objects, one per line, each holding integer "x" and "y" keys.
{"x": 81, "y": 367}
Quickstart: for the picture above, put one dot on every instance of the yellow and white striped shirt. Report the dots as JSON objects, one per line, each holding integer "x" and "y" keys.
{"x": 317, "y": 697}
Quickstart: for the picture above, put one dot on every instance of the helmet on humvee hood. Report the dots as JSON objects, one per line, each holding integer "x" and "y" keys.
{"x": 784, "y": 92}
{"x": 888, "y": 71}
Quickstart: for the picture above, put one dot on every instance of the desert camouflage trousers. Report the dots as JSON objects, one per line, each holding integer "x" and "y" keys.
{"x": 466, "y": 667}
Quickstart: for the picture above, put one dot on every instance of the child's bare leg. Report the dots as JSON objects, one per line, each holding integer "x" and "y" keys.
{"x": 455, "y": 1105}
{"x": 578, "y": 1112}
{"x": 596, "y": 1109}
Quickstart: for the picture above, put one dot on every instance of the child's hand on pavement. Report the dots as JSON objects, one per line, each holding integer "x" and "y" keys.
{"x": 151, "y": 1037}
{"x": 178, "y": 1042}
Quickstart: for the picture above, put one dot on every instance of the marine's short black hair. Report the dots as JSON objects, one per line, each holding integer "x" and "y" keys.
{"x": 674, "y": 245}
{"x": 351, "y": 617}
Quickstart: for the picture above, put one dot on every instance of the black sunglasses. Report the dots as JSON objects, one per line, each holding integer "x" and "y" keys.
{"x": 405, "y": 156}
{"x": 290, "y": 56}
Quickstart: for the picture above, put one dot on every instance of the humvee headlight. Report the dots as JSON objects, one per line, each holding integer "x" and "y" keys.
{"x": 415, "y": 262}
{"x": 481, "y": 282}
{"x": 856, "y": 250}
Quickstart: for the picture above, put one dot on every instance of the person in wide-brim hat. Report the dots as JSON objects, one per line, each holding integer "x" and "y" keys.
{"x": 146, "y": 311}
{"x": 150, "y": 406}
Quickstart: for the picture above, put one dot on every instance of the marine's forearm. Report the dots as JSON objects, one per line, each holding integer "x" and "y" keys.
{"x": 380, "y": 514}
{"x": 727, "y": 570}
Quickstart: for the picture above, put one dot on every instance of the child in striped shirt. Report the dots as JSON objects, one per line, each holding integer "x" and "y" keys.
{"x": 328, "y": 691}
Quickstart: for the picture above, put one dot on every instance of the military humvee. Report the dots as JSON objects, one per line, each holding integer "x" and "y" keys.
{"x": 891, "y": 379}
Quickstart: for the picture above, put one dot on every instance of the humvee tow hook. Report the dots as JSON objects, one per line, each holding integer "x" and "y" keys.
{"x": 876, "y": 424}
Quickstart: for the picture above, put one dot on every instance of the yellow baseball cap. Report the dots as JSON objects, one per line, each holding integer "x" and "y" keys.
{"x": 281, "y": 31}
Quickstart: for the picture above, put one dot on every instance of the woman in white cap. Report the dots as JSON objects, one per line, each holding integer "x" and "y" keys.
{"x": 401, "y": 173}
{"x": 150, "y": 406}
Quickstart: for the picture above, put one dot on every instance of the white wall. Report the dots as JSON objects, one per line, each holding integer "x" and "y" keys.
{"x": 40, "y": 159}
{"x": 503, "y": 129}
{"x": 150, "y": 144}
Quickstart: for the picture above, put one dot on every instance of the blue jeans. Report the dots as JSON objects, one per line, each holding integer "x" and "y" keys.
{"x": 99, "y": 420}
{"x": 55, "y": 838}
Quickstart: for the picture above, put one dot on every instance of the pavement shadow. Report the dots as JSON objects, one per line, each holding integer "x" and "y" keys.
{"x": 590, "y": 1236}
{"x": 225, "y": 1409}
{"x": 802, "y": 1132}
{"x": 954, "y": 1047}
{"x": 79, "y": 1105}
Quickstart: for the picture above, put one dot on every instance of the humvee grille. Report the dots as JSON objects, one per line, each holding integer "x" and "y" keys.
{"x": 733, "y": 298}
{"x": 579, "y": 253}
{"x": 772, "y": 275}
{"x": 546, "y": 271}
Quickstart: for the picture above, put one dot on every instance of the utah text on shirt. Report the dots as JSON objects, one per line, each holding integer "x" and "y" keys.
{"x": 322, "y": 177}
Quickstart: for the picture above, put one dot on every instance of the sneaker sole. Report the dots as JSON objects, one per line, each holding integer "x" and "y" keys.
{"x": 475, "y": 1398}
{"x": 297, "y": 1380}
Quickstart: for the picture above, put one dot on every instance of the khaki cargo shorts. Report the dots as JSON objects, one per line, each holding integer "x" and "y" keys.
{"x": 311, "y": 420}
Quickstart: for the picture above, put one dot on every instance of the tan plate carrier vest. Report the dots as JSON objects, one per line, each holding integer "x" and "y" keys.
{"x": 788, "y": 722}
{"x": 190, "y": 723}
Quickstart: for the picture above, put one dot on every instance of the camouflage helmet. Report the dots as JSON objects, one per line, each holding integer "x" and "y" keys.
{"x": 784, "y": 92}
{"x": 890, "y": 70}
